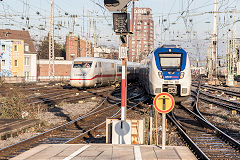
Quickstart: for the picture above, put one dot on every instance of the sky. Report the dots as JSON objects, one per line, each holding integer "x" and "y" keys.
{"x": 188, "y": 23}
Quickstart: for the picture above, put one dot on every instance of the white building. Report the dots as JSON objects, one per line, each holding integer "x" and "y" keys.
{"x": 102, "y": 52}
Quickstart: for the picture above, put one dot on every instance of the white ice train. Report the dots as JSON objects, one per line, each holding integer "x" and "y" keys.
{"x": 94, "y": 72}
{"x": 167, "y": 69}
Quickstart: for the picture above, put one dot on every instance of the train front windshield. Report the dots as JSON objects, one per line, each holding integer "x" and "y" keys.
{"x": 170, "y": 62}
{"x": 82, "y": 64}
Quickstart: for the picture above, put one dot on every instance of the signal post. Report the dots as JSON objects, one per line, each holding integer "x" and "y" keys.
{"x": 164, "y": 103}
{"x": 121, "y": 23}
{"x": 123, "y": 55}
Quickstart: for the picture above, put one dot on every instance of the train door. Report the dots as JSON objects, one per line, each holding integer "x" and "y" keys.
{"x": 113, "y": 79}
{"x": 100, "y": 77}
{"x": 116, "y": 72}
{"x": 97, "y": 72}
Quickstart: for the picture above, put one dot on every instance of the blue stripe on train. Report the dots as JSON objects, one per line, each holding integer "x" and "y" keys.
{"x": 168, "y": 76}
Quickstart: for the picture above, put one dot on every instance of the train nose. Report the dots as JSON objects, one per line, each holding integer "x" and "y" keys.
{"x": 76, "y": 83}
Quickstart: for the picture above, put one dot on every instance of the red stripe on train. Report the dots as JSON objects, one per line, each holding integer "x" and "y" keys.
{"x": 107, "y": 75}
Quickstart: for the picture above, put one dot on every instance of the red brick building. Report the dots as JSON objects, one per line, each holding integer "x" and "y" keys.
{"x": 141, "y": 42}
{"x": 72, "y": 46}
{"x": 77, "y": 47}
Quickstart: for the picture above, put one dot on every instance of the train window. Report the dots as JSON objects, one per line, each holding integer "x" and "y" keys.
{"x": 119, "y": 68}
{"x": 81, "y": 64}
{"x": 96, "y": 65}
{"x": 170, "y": 61}
{"x": 129, "y": 69}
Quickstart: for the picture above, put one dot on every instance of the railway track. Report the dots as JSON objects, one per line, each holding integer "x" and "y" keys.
{"x": 27, "y": 88}
{"x": 224, "y": 120}
{"x": 217, "y": 100}
{"x": 70, "y": 96}
{"x": 227, "y": 104}
{"x": 52, "y": 96}
{"x": 219, "y": 89}
{"x": 206, "y": 140}
{"x": 73, "y": 131}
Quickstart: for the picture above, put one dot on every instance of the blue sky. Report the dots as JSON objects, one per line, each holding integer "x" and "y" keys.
{"x": 185, "y": 22}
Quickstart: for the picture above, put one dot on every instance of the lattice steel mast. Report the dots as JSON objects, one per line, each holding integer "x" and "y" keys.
{"x": 214, "y": 40}
{"x": 51, "y": 43}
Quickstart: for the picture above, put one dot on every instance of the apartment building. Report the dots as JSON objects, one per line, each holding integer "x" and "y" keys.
{"x": 141, "y": 42}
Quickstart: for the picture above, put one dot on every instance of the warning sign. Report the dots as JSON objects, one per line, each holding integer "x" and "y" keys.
{"x": 164, "y": 102}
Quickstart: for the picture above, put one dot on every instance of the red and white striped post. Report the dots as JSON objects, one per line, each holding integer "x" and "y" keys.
{"x": 124, "y": 90}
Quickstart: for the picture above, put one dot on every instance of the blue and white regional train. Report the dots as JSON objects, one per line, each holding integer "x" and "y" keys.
{"x": 167, "y": 69}
{"x": 94, "y": 72}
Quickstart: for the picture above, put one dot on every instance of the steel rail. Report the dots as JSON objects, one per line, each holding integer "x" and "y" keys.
{"x": 92, "y": 112}
{"x": 71, "y": 122}
{"x": 116, "y": 114}
{"x": 198, "y": 152}
{"x": 201, "y": 118}
{"x": 213, "y": 88}
{"x": 198, "y": 116}
{"x": 228, "y": 106}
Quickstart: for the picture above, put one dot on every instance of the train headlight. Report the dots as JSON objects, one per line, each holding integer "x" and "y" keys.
{"x": 182, "y": 75}
{"x": 160, "y": 75}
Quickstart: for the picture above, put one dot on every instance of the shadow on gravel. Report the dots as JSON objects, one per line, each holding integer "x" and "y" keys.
{"x": 92, "y": 139}
{"x": 217, "y": 115}
{"x": 96, "y": 94}
{"x": 58, "y": 111}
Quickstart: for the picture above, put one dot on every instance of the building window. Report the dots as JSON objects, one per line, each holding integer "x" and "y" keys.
{"x": 15, "y": 48}
{"x": 16, "y": 63}
{"x": 26, "y": 61}
{"x": 26, "y": 48}
{"x": 3, "y": 63}
{"x": 3, "y": 47}
{"x": 72, "y": 56}
{"x": 26, "y": 74}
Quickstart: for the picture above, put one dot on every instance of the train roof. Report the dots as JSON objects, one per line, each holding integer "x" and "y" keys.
{"x": 104, "y": 60}
{"x": 170, "y": 46}
{"x": 161, "y": 50}
{"x": 94, "y": 59}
